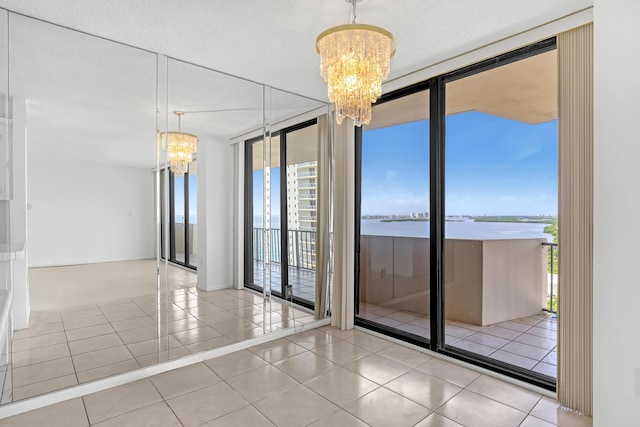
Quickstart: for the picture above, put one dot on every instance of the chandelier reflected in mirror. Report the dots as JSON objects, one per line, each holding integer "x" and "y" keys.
{"x": 181, "y": 147}
{"x": 354, "y": 61}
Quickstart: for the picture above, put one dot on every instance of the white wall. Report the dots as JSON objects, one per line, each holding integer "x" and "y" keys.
{"x": 85, "y": 213}
{"x": 215, "y": 214}
{"x": 616, "y": 299}
{"x": 21, "y": 302}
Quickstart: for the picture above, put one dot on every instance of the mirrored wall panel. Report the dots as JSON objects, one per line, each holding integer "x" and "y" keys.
{"x": 122, "y": 165}
{"x": 85, "y": 297}
{"x": 206, "y": 309}
{"x": 282, "y": 178}
{"x": 10, "y": 248}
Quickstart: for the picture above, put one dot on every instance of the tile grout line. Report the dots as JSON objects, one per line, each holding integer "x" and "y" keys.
{"x": 75, "y": 371}
{"x": 474, "y": 331}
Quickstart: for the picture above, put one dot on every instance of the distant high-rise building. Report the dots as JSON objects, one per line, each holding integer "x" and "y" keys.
{"x": 302, "y": 196}
{"x": 302, "y": 213}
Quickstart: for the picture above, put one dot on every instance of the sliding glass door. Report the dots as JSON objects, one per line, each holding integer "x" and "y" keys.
{"x": 394, "y": 216}
{"x": 457, "y": 207}
{"x": 501, "y": 201}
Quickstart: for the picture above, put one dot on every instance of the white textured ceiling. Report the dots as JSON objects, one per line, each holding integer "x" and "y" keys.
{"x": 94, "y": 100}
{"x": 272, "y": 41}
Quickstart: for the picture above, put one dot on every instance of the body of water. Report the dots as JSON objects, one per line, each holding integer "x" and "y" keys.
{"x": 456, "y": 230}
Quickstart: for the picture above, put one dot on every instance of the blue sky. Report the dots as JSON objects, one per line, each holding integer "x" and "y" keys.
{"x": 258, "y": 191}
{"x": 179, "y": 198}
{"x": 494, "y": 166}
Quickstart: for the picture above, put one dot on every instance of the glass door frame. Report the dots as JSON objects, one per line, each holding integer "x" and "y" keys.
{"x": 437, "y": 144}
{"x": 286, "y": 289}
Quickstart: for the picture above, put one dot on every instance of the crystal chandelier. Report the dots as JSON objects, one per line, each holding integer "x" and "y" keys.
{"x": 181, "y": 147}
{"x": 354, "y": 60}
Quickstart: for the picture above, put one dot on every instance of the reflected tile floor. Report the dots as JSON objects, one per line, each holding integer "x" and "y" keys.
{"x": 529, "y": 343}
{"x": 321, "y": 377}
{"x": 85, "y": 343}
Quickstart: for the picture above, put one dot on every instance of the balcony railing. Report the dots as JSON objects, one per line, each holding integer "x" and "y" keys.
{"x": 311, "y": 196}
{"x": 311, "y": 163}
{"x": 307, "y": 174}
{"x": 552, "y": 263}
{"x": 308, "y": 185}
{"x": 307, "y": 207}
{"x": 302, "y": 247}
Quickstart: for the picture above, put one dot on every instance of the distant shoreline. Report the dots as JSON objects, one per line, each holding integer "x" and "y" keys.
{"x": 510, "y": 219}
{"x": 406, "y": 220}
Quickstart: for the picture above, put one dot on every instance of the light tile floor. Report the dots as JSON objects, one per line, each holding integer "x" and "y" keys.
{"x": 322, "y": 377}
{"x": 92, "y": 341}
{"x": 530, "y": 342}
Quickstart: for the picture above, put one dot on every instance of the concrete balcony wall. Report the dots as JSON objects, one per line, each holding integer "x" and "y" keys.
{"x": 486, "y": 281}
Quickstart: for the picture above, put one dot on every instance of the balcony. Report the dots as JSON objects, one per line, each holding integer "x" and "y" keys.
{"x": 307, "y": 218}
{"x": 311, "y": 196}
{"x": 307, "y": 207}
{"x": 308, "y": 185}
{"x": 498, "y": 294}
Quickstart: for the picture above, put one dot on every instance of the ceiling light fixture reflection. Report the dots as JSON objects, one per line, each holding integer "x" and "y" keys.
{"x": 354, "y": 61}
{"x": 181, "y": 147}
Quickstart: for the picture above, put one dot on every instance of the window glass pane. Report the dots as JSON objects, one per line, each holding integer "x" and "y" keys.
{"x": 273, "y": 184}
{"x": 193, "y": 213}
{"x": 394, "y": 240}
{"x": 302, "y": 177}
{"x": 501, "y": 212}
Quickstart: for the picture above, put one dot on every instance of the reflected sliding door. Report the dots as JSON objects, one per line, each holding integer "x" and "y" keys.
{"x": 290, "y": 177}
{"x": 183, "y": 208}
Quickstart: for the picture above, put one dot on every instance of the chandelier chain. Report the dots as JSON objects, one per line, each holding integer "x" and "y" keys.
{"x": 354, "y": 13}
